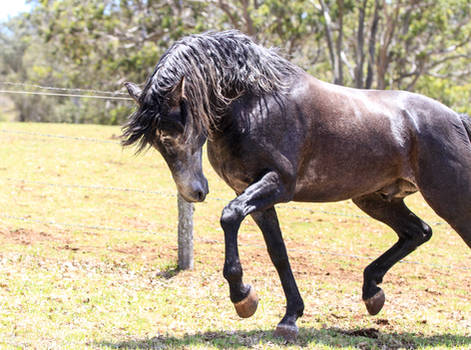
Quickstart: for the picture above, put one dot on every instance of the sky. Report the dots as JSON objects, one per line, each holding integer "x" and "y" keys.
{"x": 9, "y": 8}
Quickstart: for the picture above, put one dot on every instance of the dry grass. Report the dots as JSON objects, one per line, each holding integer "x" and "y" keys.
{"x": 79, "y": 287}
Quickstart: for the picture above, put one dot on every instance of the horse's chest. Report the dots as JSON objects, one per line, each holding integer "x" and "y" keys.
{"x": 230, "y": 165}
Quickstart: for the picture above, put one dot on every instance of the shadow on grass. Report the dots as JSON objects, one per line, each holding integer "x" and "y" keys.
{"x": 333, "y": 337}
{"x": 169, "y": 272}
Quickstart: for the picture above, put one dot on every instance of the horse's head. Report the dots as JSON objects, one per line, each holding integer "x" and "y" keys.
{"x": 162, "y": 122}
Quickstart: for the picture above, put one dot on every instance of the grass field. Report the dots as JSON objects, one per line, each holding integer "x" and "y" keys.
{"x": 89, "y": 247}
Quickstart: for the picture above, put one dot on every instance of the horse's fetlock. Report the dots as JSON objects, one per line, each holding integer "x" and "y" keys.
{"x": 300, "y": 308}
{"x": 232, "y": 272}
{"x": 373, "y": 274}
{"x": 368, "y": 272}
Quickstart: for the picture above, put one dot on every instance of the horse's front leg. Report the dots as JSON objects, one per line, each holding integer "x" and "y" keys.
{"x": 259, "y": 196}
{"x": 268, "y": 222}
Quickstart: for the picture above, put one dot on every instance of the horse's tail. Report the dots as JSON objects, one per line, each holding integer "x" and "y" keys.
{"x": 466, "y": 120}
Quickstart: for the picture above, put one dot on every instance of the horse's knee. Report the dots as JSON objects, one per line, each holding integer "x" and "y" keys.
{"x": 231, "y": 216}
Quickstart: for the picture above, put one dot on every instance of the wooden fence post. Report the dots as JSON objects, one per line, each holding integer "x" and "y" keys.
{"x": 185, "y": 234}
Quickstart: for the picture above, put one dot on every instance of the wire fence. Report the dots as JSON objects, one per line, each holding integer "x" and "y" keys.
{"x": 64, "y": 95}
{"x": 168, "y": 194}
{"x": 112, "y": 95}
{"x": 32, "y": 89}
{"x": 73, "y": 138}
{"x": 115, "y": 228}
{"x": 54, "y": 88}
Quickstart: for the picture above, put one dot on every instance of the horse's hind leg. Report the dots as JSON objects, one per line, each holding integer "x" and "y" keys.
{"x": 412, "y": 232}
{"x": 445, "y": 184}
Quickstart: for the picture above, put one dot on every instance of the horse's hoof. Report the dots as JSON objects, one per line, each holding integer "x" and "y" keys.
{"x": 287, "y": 332}
{"x": 375, "y": 303}
{"x": 247, "y": 306}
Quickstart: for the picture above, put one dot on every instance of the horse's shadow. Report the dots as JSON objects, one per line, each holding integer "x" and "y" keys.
{"x": 331, "y": 337}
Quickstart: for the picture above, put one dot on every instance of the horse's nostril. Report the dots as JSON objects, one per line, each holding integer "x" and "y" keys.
{"x": 200, "y": 195}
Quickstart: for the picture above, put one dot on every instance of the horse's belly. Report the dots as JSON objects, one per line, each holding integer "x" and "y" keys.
{"x": 350, "y": 181}
{"x": 312, "y": 193}
{"x": 397, "y": 188}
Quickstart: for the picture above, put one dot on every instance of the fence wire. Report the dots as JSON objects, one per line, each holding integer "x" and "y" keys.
{"x": 64, "y": 95}
{"x": 54, "y": 88}
{"x": 169, "y": 194}
{"x": 73, "y": 138}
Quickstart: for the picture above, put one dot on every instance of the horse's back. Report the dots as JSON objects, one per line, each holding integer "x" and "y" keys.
{"x": 358, "y": 142}
{"x": 365, "y": 141}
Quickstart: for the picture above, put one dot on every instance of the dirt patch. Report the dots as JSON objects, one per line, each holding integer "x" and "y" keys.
{"x": 146, "y": 251}
{"x": 25, "y": 236}
{"x": 307, "y": 265}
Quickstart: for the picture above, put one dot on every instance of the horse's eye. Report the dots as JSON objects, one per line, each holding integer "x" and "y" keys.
{"x": 170, "y": 127}
{"x": 178, "y": 114}
{"x": 175, "y": 114}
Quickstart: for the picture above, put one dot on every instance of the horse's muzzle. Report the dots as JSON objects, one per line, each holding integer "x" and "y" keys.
{"x": 197, "y": 191}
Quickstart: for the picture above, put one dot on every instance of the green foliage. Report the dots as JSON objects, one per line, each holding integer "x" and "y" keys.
{"x": 421, "y": 46}
{"x": 458, "y": 96}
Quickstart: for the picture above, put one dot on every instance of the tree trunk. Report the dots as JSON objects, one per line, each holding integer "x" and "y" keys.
{"x": 339, "y": 68}
{"x": 388, "y": 35}
{"x": 372, "y": 46}
{"x": 360, "y": 61}
{"x": 330, "y": 41}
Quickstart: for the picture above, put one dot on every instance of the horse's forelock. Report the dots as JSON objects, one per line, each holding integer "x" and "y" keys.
{"x": 141, "y": 125}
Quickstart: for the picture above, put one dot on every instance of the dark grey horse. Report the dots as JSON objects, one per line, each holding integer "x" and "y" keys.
{"x": 276, "y": 134}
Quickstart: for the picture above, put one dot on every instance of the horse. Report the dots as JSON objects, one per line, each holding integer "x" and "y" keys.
{"x": 276, "y": 134}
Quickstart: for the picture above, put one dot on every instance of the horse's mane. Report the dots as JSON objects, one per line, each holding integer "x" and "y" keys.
{"x": 217, "y": 68}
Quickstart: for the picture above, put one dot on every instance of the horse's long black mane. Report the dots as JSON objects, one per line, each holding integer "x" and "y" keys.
{"x": 217, "y": 68}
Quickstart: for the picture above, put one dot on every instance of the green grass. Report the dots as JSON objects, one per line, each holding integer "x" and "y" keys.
{"x": 75, "y": 286}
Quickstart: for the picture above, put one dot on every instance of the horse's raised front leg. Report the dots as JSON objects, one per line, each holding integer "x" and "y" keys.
{"x": 412, "y": 232}
{"x": 259, "y": 196}
{"x": 268, "y": 222}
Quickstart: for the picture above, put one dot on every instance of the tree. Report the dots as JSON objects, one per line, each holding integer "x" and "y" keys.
{"x": 395, "y": 43}
{"x": 417, "y": 45}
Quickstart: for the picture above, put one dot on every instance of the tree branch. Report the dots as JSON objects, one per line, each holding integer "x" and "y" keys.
{"x": 226, "y": 9}
{"x": 330, "y": 39}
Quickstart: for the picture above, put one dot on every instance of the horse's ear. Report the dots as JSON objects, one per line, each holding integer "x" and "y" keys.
{"x": 134, "y": 91}
{"x": 178, "y": 91}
